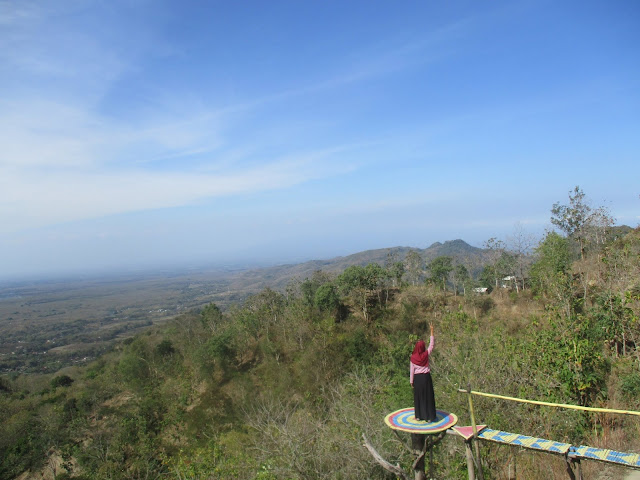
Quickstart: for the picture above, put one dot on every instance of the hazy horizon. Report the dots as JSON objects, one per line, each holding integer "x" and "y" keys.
{"x": 183, "y": 268}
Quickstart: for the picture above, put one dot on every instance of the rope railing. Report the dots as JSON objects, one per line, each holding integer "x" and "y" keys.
{"x": 549, "y": 404}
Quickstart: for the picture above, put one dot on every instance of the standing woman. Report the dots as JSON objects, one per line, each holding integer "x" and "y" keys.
{"x": 424, "y": 402}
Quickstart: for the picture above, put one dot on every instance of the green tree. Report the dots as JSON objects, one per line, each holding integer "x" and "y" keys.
{"x": 487, "y": 277}
{"x": 268, "y": 308}
{"x": 61, "y": 381}
{"x": 134, "y": 364}
{"x": 360, "y": 283}
{"x": 396, "y": 271}
{"x": 327, "y": 298}
{"x": 310, "y": 286}
{"x": 440, "y": 268}
{"x": 165, "y": 348}
{"x": 414, "y": 266}
{"x": 506, "y": 266}
{"x": 495, "y": 250}
{"x": 571, "y": 351}
{"x": 572, "y": 218}
{"x": 461, "y": 277}
{"x": 551, "y": 273}
{"x": 220, "y": 350}
{"x": 395, "y": 268}
{"x": 520, "y": 245}
{"x": 598, "y": 227}
{"x": 211, "y": 317}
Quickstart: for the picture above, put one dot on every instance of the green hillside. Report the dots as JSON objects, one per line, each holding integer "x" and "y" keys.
{"x": 284, "y": 383}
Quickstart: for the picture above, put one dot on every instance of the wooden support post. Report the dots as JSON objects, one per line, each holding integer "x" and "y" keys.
{"x": 430, "y": 441}
{"x": 515, "y": 465}
{"x": 572, "y": 475}
{"x": 577, "y": 460}
{"x": 469, "y": 453}
{"x": 419, "y": 444}
{"x": 475, "y": 435}
{"x": 570, "y": 462}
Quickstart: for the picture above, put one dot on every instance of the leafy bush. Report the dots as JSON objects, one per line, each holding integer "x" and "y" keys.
{"x": 358, "y": 347}
{"x": 630, "y": 385}
{"x": 326, "y": 298}
{"x": 5, "y": 386}
{"x": 165, "y": 348}
{"x": 61, "y": 381}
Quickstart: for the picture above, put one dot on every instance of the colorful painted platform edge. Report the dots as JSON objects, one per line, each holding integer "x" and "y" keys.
{"x": 406, "y": 421}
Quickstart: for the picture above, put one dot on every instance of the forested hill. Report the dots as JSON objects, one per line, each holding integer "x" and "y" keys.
{"x": 278, "y": 277}
{"x": 458, "y": 249}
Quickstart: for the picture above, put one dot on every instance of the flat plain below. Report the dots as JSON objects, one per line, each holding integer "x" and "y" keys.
{"x": 47, "y": 325}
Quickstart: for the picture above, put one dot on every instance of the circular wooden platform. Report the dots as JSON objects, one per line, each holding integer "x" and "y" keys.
{"x": 405, "y": 421}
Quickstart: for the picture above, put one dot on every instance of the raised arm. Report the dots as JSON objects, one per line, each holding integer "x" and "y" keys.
{"x": 432, "y": 338}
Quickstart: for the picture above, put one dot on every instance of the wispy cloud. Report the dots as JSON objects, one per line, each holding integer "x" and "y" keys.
{"x": 62, "y": 160}
{"x": 31, "y": 199}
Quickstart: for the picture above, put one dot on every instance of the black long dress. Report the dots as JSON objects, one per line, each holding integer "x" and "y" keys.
{"x": 424, "y": 400}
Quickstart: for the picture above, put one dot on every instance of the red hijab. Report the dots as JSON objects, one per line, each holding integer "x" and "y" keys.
{"x": 420, "y": 356}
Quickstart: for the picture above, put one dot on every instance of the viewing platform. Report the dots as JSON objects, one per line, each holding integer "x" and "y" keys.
{"x": 425, "y": 435}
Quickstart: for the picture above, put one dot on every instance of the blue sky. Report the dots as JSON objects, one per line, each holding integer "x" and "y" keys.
{"x": 147, "y": 134}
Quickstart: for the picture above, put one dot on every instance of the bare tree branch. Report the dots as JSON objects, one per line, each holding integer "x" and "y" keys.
{"x": 395, "y": 469}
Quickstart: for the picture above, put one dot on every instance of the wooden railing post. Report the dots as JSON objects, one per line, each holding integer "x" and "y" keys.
{"x": 475, "y": 435}
{"x": 469, "y": 453}
{"x": 419, "y": 444}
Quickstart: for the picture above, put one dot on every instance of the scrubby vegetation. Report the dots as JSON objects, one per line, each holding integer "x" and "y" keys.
{"x": 284, "y": 384}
